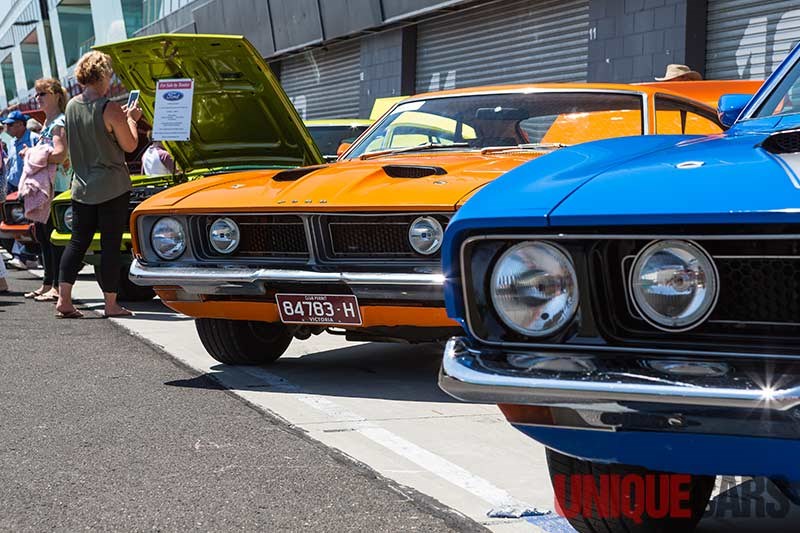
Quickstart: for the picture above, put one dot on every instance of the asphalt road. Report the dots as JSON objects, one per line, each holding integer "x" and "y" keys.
{"x": 101, "y": 431}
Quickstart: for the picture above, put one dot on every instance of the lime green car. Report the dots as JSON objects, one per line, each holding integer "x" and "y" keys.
{"x": 241, "y": 119}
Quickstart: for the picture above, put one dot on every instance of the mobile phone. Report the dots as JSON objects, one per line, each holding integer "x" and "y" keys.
{"x": 133, "y": 97}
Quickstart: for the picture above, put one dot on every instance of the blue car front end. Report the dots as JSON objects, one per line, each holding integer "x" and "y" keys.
{"x": 637, "y": 301}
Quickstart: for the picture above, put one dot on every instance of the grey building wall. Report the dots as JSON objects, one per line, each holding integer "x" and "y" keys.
{"x": 285, "y": 26}
{"x": 387, "y": 66}
{"x": 634, "y": 40}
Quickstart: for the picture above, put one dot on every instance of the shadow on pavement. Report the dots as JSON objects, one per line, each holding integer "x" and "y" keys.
{"x": 373, "y": 370}
{"x": 149, "y": 310}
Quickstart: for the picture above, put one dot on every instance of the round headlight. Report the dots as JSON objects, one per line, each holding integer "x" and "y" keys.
{"x": 674, "y": 285}
{"x": 18, "y": 214}
{"x": 534, "y": 288}
{"x": 425, "y": 235}
{"x": 68, "y": 218}
{"x": 168, "y": 238}
{"x": 224, "y": 235}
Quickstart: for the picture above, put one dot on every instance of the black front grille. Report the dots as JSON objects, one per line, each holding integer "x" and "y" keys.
{"x": 262, "y": 236}
{"x": 358, "y": 239}
{"x": 273, "y": 238}
{"x": 759, "y": 290}
{"x": 371, "y": 236}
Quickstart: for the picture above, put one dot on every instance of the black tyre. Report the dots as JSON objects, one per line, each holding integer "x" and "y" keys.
{"x": 243, "y": 342}
{"x": 568, "y": 469}
{"x": 128, "y": 291}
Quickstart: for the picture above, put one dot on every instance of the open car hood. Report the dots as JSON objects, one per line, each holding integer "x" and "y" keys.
{"x": 240, "y": 114}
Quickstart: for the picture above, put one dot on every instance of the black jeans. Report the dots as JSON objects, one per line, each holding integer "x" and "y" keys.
{"x": 51, "y": 254}
{"x": 109, "y": 218}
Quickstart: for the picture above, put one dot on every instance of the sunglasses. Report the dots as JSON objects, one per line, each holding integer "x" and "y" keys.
{"x": 39, "y": 95}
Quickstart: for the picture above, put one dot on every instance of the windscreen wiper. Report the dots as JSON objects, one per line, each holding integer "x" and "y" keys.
{"x": 419, "y": 147}
{"x": 527, "y": 146}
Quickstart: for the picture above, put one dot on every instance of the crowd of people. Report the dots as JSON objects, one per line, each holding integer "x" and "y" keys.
{"x": 80, "y": 147}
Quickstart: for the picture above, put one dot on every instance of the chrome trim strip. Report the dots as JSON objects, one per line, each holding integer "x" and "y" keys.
{"x": 594, "y": 348}
{"x": 210, "y": 279}
{"x": 464, "y": 376}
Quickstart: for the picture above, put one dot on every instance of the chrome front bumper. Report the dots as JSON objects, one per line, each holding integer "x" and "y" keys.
{"x": 254, "y": 281}
{"x": 484, "y": 376}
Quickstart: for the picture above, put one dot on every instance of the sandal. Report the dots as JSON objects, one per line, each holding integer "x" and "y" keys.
{"x": 124, "y": 313}
{"x": 70, "y": 314}
{"x": 46, "y": 297}
{"x": 33, "y": 294}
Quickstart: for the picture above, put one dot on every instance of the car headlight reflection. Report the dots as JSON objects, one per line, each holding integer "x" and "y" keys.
{"x": 534, "y": 288}
{"x": 674, "y": 284}
{"x": 168, "y": 238}
{"x": 224, "y": 235}
{"x": 68, "y": 218}
{"x": 425, "y": 235}
{"x": 18, "y": 214}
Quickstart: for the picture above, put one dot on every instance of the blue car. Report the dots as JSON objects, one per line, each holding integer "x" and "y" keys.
{"x": 634, "y": 305}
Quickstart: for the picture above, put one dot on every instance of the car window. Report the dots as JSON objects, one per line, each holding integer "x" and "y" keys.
{"x": 328, "y": 138}
{"x": 676, "y": 117}
{"x": 510, "y": 119}
{"x": 785, "y": 98}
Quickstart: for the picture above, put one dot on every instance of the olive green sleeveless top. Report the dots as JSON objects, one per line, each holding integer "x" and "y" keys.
{"x": 98, "y": 163}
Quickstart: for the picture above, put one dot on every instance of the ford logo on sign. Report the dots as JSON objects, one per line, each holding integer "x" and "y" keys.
{"x": 172, "y": 96}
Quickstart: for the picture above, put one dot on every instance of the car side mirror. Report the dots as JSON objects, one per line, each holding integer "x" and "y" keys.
{"x": 345, "y": 146}
{"x": 730, "y": 106}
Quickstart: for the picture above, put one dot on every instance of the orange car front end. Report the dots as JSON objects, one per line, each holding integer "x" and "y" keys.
{"x": 352, "y": 247}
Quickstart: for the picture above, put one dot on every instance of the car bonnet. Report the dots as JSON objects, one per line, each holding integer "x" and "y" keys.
{"x": 240, "y": 114}
{"x": 714, "y": 180}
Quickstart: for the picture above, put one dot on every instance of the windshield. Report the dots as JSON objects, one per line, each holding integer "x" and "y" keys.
{"x": 785, "y": 99}
{"x": 328, "y": 138}
{"x": 493, "y": 120}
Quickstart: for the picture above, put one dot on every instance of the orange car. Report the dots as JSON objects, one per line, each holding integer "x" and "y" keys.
{"x": 352, "y": 247}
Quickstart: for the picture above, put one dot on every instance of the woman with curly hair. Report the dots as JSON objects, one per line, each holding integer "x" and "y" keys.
{"x": 99, "y": 132}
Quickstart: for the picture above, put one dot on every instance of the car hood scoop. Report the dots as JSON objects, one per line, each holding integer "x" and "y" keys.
{"x": 412, "y": 171}
{"x": 783, "y": 142}
{"x": 295, "y": 174}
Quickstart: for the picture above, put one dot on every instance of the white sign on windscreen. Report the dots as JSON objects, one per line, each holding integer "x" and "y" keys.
{"x": 173, "y": 110}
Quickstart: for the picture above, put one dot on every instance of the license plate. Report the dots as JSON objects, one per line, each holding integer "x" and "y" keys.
{"x": 318, "y": 309}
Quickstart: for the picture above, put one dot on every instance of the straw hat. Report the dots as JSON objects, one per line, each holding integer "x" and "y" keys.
{"x": 680, "y": 71}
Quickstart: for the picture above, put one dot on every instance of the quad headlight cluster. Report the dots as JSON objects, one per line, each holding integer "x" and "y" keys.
{"x": 534, "y": 288}
{"x": 168, "y": 237}
{"x": 674, "y": 284}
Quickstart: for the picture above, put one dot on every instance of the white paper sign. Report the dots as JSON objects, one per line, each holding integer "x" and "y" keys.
{"x": 173, "y": 113}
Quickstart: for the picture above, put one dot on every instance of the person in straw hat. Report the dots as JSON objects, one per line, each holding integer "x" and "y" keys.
{"x": 680, "y": 73}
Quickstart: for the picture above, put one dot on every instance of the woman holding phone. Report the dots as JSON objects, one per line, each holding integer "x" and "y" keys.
{"x": 99, "y": 132}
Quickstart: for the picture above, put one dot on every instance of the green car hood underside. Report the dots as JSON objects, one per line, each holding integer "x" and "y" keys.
{"x": 240, "y": 114}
